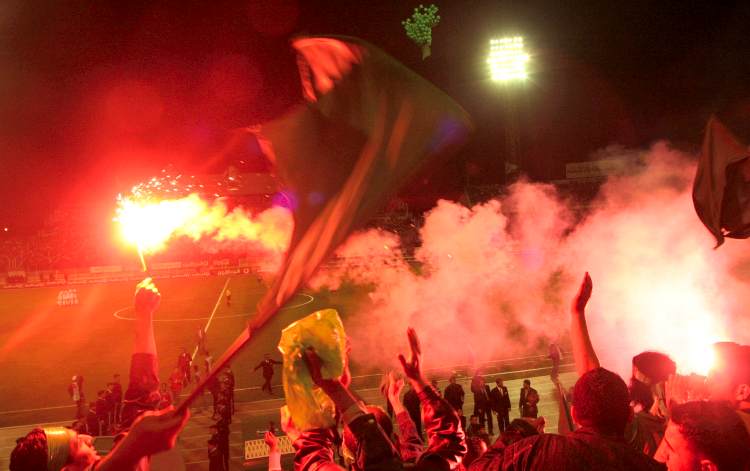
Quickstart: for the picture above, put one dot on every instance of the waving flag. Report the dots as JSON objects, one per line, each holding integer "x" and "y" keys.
{"x": 366, "y": 125}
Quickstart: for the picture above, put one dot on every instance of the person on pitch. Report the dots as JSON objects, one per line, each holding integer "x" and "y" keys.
{"x": 184, "y": 363}
{"x": 500, "y": 403}
{"x": 267, "y": 365}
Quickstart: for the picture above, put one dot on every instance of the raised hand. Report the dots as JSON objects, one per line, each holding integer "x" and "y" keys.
{"x": 271, "y": 441}
{"x": 314, "y": 366}
{"x": 394, "y": 387}
{"x": 412, "y": 368}
{"x": 584, "y": 294}
{"x": 583, "y": 350}
{"x": 147, "y": 297}
{"x": 156, "y": 431}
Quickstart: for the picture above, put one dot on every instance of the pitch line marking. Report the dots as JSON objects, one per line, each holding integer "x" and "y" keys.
{"x": 211, "y": 317}
{"x": 117, "y": 313}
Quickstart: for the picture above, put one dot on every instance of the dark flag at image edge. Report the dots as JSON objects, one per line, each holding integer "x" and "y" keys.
{"x": 721, "y": 191}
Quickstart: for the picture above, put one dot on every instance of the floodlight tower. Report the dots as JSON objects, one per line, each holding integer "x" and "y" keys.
{"x": 508, "y": 62}
{"x": 508, "y": 59}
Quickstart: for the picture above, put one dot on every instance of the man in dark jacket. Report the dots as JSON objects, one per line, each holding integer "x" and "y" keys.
{"x": 116, "y": 388}
{"x": 215, "y": 456}
{"x": 481, "y": 400}
{"x": 184, "y": 362}
{"x": 601, "y": 409}
{"x": 454, "y": 394}
{"x": 500, "y": 403}
{"x": 267, "y": 365}
{"x": 528, "y": 400}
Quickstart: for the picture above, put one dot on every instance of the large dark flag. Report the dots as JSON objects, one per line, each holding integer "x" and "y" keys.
{"x": 721, "y": 191}
{"x": 367, "y": 124}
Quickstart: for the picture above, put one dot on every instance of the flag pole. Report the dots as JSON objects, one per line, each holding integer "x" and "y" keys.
{"x": 239, "y": 343}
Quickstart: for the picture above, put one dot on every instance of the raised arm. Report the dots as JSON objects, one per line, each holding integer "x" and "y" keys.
{"x": 583, "y": 351}
{"x": 143, "y": 384}
{"x": 147, "y": 299}
{"x": 446, "y": 442}
{"x": 374, "y": 449}
{"x": 410, "y": 443}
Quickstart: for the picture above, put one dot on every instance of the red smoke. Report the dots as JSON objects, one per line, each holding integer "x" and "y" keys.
{"x": 497, "y": 279}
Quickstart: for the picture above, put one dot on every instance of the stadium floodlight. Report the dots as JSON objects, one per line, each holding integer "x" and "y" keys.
{"x": 508, "y": 59}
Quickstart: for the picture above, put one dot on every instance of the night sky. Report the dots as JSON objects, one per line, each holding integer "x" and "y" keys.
{"x": 97, "y": 95}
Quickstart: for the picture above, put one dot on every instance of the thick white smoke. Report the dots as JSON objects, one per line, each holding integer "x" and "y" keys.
{"x": 497, "y": 279}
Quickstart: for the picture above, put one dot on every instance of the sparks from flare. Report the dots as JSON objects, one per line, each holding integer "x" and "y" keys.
{"x": 148, "y": 223}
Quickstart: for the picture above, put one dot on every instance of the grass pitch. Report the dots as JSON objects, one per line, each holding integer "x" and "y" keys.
{"x": 42, "y": 345}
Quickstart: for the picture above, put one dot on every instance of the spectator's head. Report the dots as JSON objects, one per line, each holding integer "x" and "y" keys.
{"x": 729, "y": 379}
{"x": 52, "y": 449}
{"x": 475, "y": 447}
{"x": 601, "y": 402}
{"x": 705, "y": 435}
{"x": 499, "y": 382}
{"x": 518, "y": 430}
{"x": 526, "y": 383}
{"x": 641, "y": 395}
{"x": 653, "y": 367}
{"x": 350, "y": 441}
{"x": 474, "y": 420}
{"x": 432, "y": 462}
{"x": 101, "y": 394}
{"x": 452, "y": 379}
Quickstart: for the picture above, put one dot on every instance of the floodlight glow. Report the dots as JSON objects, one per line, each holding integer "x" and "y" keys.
{"x": 508, "y": 59}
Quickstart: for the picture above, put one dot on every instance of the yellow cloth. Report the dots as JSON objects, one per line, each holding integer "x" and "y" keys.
{"x": 308, "y": 405}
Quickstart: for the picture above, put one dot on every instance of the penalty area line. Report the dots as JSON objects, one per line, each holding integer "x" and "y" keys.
{"x": 211, "y": 317}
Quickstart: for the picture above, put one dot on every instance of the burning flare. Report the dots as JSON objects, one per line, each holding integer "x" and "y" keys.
{"x": 150, "y": 223}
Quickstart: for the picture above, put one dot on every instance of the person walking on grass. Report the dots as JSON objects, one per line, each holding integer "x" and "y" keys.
{"x": 267, "y": 365}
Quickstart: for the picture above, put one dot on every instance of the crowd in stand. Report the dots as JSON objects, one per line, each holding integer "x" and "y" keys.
{"x": 660, "y": 420}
